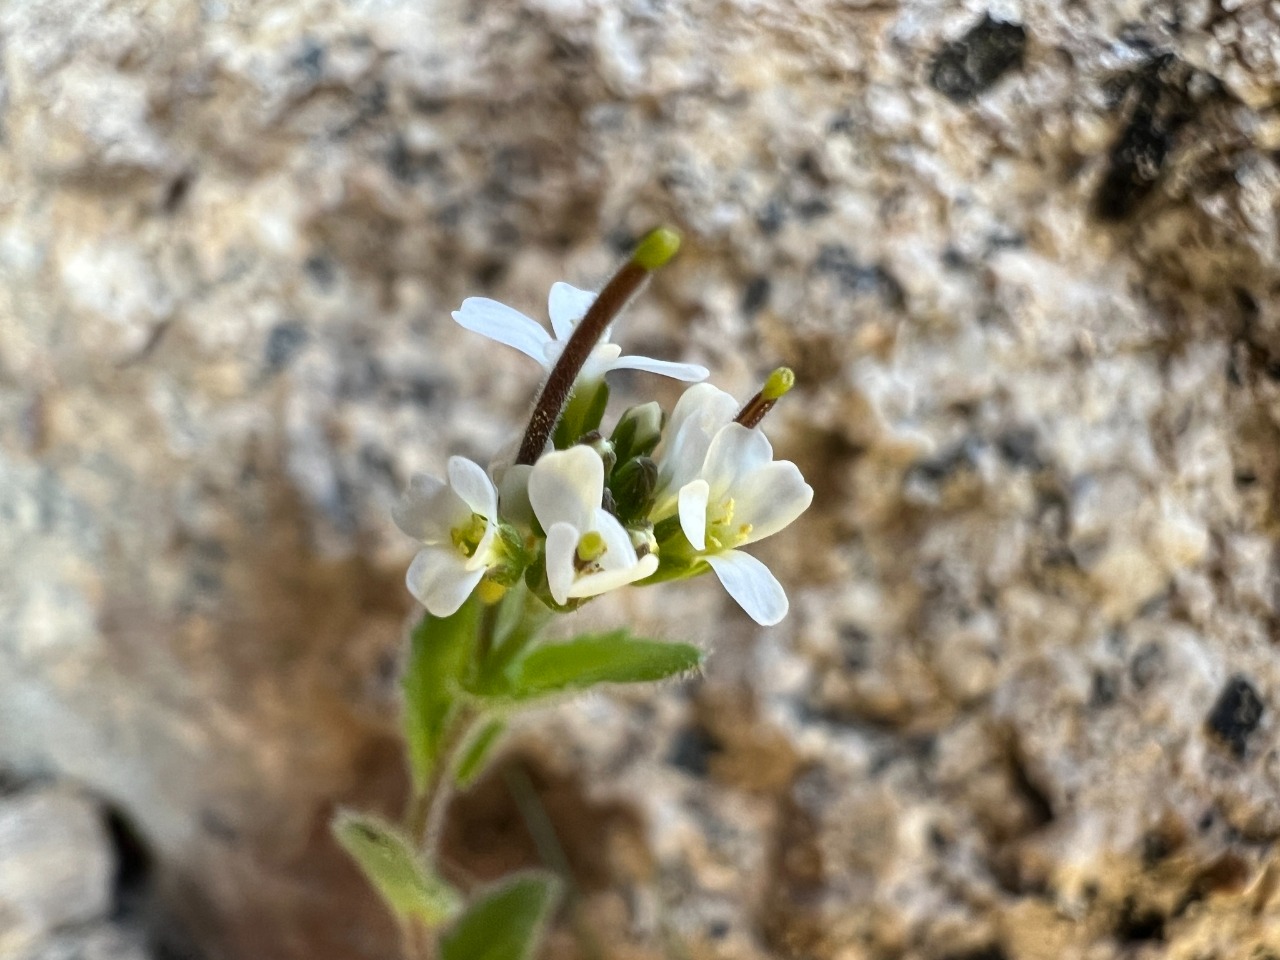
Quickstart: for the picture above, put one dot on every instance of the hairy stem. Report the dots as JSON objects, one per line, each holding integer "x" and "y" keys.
{"x": 607, "y": 304}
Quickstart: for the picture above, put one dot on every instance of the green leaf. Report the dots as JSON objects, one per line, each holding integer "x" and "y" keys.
{"x": 614, "y": 657}
{"x": 477, "y": 752}
{"x": 395, "y": 870}
{"x": 441, "y": 649}
{"x": 506, "y": 924}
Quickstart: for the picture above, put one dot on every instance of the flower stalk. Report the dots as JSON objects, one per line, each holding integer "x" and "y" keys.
{"x": 654, "y": 251}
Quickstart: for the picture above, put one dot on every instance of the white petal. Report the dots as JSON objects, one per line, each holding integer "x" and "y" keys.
{"x": 771, "y": 498}
{"x": 484, "y": 558}
{"x": 750, "y": 583}
{"x": 706, "y": 404}
{"x": 562, "y": 544}
{"x": 689, "y": 372}
{"x": 698, "y": 414}
{"x": 472, "y": 484}
{"x": 499, "y": 322}
{"x": 429, "y": 510}
{"x": 566, "y": 486}
{"x": 735, "y": 452}
{"x": 440, "y": 581}
{"x": 513, "y": 496}
{"x": 566, "y": 305}
{"x": 594, "y": 584}
{"x": 693, "y": 512}
{"x": 619, "y": 551}
{"x": 602, "y": 359}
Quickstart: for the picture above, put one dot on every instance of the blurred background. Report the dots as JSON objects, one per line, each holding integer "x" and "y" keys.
{"x": 1023, "y": 258}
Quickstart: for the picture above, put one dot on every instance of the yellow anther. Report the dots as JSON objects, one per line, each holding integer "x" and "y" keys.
{"x": 490, "y": 592}
{"x": 466, "y": 538}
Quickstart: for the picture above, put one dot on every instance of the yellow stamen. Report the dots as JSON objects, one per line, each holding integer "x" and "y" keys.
{"x": 491, "y": 592}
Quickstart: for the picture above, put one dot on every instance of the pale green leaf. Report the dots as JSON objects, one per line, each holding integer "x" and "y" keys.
{"x": 590, "y": 659}
{"x": 389, "y": 861}
{"x": 505, "y": 924}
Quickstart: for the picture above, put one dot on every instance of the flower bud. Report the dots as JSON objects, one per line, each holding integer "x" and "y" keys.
{"x": 642, "y": 539}
{"x": 638, "y": 431}
{"x": 602, "y": 447}
{"x": 633, "y": 486}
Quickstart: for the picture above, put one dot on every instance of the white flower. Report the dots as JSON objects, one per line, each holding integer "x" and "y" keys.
{"x": 740, "y": 496}
{"x": 566, "y": 305}
{"x": 699, "y": 413}
{"x": 458, "y": 524}
{"x": 588, "y": 550}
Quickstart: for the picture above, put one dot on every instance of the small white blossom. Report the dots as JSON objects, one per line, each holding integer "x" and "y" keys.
{"x": 700, "y": 412}
{"x": 588, "y": 551}
{"x": 457, "y": 522}
{"x": 740, "y": 496}
{"x": 566, "y": 305}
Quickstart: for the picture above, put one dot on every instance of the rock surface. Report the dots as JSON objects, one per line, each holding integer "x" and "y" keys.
{"x": 1023, "y": 258}
{"x": 58, "y": 866}
{"x": 61, "y": 895}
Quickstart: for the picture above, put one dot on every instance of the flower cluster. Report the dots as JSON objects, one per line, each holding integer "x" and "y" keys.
{"x": 580, "y": 512}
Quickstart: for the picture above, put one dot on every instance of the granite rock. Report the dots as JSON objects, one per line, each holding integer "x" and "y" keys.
{"x": 58, "y": 866}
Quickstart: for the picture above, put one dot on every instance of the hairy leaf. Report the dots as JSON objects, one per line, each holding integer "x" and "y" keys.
{"x": 395, "y": 870}
{"x": 506, "y": 923}
{"x": 589, "y": 659}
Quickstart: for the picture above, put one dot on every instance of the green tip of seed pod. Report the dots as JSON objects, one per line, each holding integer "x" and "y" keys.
{"x": 657, "y": 248}
{"x": 779, "y": 383}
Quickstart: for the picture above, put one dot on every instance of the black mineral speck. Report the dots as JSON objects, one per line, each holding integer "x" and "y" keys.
{"x": 1138, "y": 924}
{"x": 756, "y": 295}
{"x": 1236, "y": 714}
{"x": 964, "y": 68}
{"x": 812, "y": 208}
{"x": 836, "y": 260}
{"x": 855, "y": 644}
{"x": 1146, "y": 666}
{"x": 310, "y": 61}
{"x": 320, "y": 271}
{"x": 770, "y": 218}
{"x": 692, "y": 749}
{"x": 1156, "y": 848}
{"x": 1104, "y": 691}
{"x": 1159, "y": 105}
{"x": 283, "y": 343}
{"x": 990, "y": 952}
{"x": 1018, "y": 448}
{"x": 405, "y": 165}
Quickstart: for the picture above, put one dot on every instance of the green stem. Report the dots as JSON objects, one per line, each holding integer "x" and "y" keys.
{"x": 426, "y": 820}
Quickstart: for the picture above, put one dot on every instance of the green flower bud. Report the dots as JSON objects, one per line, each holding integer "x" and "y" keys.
{"x": 633, "y": 485}
{"x": 657, "y": 247}
{"x": 603, "y": 449}
{"x": 638, "y": 431}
